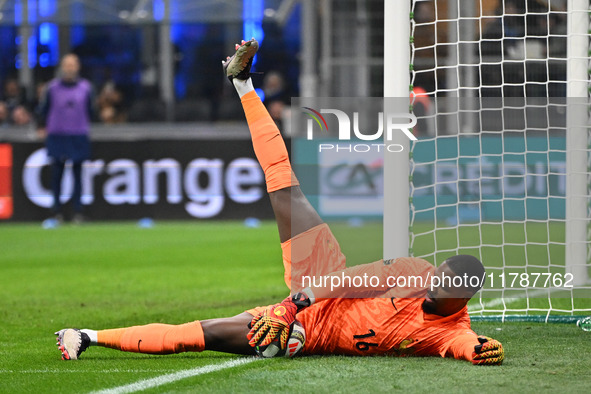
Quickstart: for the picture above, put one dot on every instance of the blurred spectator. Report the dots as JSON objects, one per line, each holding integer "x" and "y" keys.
{"x": 110, "y": 105}
{"x": 39, "y": 92}
{"x": 21, "y": 116}
{"x": 3, "y": 114}
{"x": 13, "y": 94}
{"x": 557, "y": 42}
{"x": 424, "y": 11}
{"x": 276, "y": 97}
{"x": 500, "y": 36}
{"x": 423, "y": 108}
{"x": 15, "y": 109}
{"x": 274, "y": 88}
{"x": 66, "y": 112}
{"x": 521, "y": 19}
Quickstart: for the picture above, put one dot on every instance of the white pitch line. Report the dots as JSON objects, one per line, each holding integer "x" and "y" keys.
{"x": 173, "y": 377}
{"x": 101, "y": 371}
{"x": 492, "y": 303}
{"x": 504, "y": 301}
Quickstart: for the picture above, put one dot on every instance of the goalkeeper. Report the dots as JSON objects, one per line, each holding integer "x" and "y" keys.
{"x": 421, "y": 320}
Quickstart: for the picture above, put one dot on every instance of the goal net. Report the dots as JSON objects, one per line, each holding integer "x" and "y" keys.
{"x": 502, "y": 169}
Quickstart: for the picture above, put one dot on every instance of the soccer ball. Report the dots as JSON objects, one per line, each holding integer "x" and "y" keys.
{"x": 295, "y": 343}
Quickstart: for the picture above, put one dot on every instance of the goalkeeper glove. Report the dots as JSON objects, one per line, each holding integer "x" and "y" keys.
{"x": 275, "y": 321}
{"x": 489, "y": 352}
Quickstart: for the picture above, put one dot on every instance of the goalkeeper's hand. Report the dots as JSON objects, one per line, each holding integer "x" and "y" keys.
{"x": 488, "y": 352}
{"x": 275, "y": 321}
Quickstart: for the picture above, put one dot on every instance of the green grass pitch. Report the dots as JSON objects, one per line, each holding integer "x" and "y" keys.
{"x": 116, "y": 274}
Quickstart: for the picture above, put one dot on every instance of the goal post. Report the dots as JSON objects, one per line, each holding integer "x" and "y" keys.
{"x": 577, "y": 140}
{"x": 396, "y": 165}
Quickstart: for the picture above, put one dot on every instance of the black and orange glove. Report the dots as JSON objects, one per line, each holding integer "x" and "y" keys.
{"x": 489, "y": 352}
{"x": 275, "y": 321}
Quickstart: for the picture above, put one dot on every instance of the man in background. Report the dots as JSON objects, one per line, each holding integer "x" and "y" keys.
{"x": 65, "y": 113}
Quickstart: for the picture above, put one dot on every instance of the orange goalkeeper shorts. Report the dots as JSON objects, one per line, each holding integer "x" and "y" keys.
{"x": 314, "y": 252}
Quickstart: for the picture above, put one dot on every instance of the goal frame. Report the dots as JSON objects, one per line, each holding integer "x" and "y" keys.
{"x": 397, "y": 83}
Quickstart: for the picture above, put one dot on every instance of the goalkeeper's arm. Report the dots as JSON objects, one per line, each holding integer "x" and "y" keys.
{"x": 488, "y": 352}
{"x": 275, "y": 320}
{"x": 479, "y": 350}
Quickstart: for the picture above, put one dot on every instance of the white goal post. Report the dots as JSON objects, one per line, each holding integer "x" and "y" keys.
{"x": 396, "y": 238}
{"x": 578, "y": 68}
{"x": 502, "y": 169}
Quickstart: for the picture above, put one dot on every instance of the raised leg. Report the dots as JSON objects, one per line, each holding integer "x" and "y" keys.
{"x": 288, "y": 200}
{"x": 282, "y": 185}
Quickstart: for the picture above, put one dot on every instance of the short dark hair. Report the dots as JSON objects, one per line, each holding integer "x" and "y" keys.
{"x": 469, "y": 265}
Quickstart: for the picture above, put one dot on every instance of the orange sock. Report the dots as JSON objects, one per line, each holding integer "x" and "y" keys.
{"x": 268, "y": 144}
{"x": 155, "y": 338}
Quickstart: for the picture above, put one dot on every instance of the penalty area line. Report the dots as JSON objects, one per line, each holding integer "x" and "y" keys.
{"x": 508, "y": 300}
{"x": 173, "y": 377}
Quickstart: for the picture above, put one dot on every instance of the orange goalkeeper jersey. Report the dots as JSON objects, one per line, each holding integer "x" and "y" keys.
{"x": 388, "y": 319}
{"x": 389, "y": 324}
{"x": 371, "y": 326}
